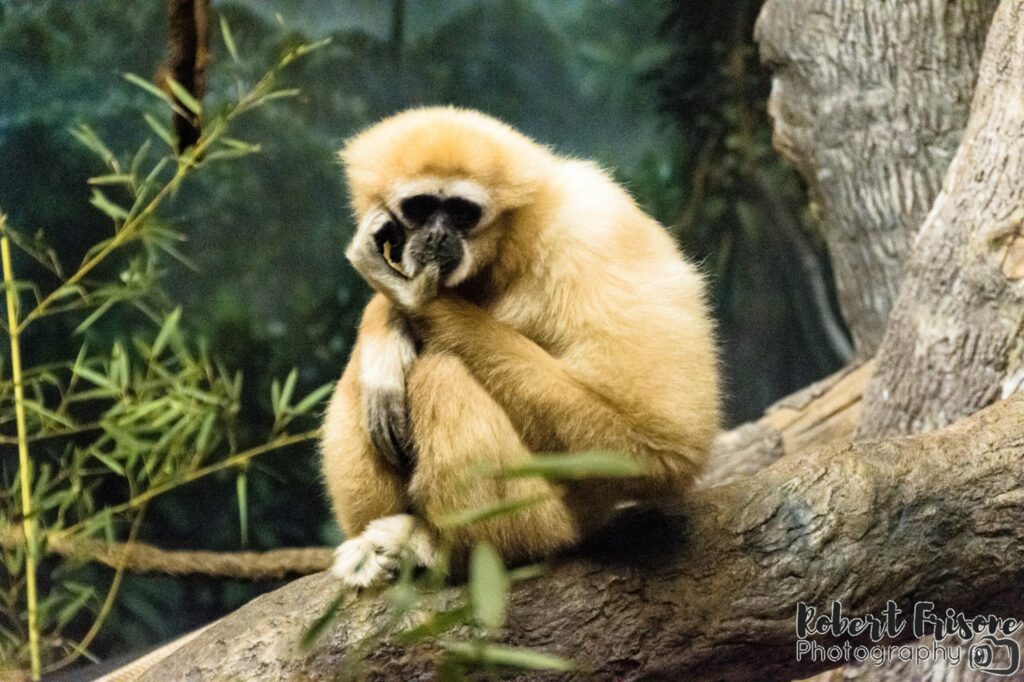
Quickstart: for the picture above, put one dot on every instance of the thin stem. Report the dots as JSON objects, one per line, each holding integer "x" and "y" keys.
{"x": 81, "y": 648}
{"x": 234, "y": 460}
{"x": 23, "y": 460}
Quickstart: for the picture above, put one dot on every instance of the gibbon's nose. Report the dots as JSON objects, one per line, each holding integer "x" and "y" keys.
{"x": 444, "y": 245}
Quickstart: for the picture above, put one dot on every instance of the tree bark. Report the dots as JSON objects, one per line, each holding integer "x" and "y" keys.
{"x": 934, "y": 517}
{"x": 955, "y": 341}
{"x": 869, "y": 100}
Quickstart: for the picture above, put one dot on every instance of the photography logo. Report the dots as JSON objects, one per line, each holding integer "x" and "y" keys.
{"x": 986, "y": 639}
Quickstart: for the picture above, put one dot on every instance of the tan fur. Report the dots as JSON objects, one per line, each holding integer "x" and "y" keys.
{"x": 582, "y": 327}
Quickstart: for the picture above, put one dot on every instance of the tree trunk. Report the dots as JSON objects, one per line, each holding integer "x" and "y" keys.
{"x": 859, "y": 523}
{"x": 954, "y": 342}
{"x": 869, "y": 99}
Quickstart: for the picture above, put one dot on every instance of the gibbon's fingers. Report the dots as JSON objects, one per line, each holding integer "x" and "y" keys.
{"x": 366, "y": 257}
{"x": 375, "y": 555}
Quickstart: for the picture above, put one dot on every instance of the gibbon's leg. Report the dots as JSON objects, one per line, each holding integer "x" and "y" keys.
{"x": 546, "y": 404}
{"x": 363, "y": 454}
{"x": 461, "y": 433}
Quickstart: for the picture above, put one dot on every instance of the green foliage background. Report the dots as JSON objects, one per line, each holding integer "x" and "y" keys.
{"x": 668, "y": 95}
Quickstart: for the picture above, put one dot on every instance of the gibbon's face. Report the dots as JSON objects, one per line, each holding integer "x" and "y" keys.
{"x": 438, "y": 220}
{"x": 441, "y": 185}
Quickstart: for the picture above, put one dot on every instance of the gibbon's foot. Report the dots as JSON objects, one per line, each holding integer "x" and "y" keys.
{"x": 374, "y": 556}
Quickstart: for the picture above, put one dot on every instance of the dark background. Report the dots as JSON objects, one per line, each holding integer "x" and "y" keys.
{"x": 668, "y": 95}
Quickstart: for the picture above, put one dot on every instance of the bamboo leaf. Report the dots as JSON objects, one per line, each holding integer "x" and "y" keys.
{"x": 576, "y": 465}
{"x": 286, "y": 392}
{"x": 492, "y": 654}
{"x": 100, "y": 201}
{"x": 111, "y": 179}
{"x": 149, "y": 87}
{"x": 243, "y": 507}
{"x": 88, "y": 137}
{"x": 438, "y": 624}
{"x": 95, "y": 378}
{"x": 184, "y": 96}
{"x": 162, "y": 132}
{"x": 323, "y": 620}
{"x": 95, "y": 315}
{"x": 169, "y": 327}
{"x": 488, "y": 586}
{"x": 490, "y": 511}
{"x": 313, "y": 398}
{"x": 111, "y": 464}
{"x": 229, "y": 41}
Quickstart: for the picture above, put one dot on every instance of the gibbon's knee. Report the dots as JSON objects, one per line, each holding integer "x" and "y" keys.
{"x": 462, "y": 433}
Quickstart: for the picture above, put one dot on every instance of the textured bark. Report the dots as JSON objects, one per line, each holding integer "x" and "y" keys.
{"x": 869, "y": 100}
{"x": 955, "y": 341}
{"x": 188, "y": 31}
{"x": 822, "y": 413}
{"x": 934, "y": 517}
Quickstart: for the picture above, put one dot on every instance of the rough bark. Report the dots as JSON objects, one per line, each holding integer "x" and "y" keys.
{"x": 955, "y": 341}
{"x": 869, "y": 100}
{"x": 935, "y": 517}
{"x": 824, "y": 412}
{"x": 188, "y": 31}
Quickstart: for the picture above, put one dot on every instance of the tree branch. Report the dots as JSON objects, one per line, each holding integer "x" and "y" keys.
{"x": 935, "y": 517}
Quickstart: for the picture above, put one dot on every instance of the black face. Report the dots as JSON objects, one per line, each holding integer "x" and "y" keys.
{"x": 433, "y": 228}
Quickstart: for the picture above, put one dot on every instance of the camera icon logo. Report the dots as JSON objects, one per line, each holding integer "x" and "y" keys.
{"x": 983, "y": 656}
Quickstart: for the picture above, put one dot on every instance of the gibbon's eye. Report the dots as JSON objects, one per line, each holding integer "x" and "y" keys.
{"x": 420, "y": 207}
{"x": 463, "y": 213}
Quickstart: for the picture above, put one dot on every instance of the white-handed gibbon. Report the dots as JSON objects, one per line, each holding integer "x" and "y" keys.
{"x": 524, "y": 304}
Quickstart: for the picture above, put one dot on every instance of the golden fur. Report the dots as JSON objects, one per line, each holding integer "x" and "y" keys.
{"x": 581, "y": 327}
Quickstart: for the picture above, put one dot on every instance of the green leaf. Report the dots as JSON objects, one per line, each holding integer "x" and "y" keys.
{"x": 438, "y": 624}
{"x": 88, "y": 137}
{"x": 111, "y": 179}
{"x": 95, "y": 315}
{"x": 488, "y": 586}
{"x": 229, "y": 41}
{"x": 184, "y": 96}
{"x": 163, "y": 133}
{"x": 149, "y": 87}
{"x": 243, "y": 507}
{"x": 286, "y": 392}
{"x": 100, "y": 201}
{"x": 576, "y": 465}
{"x": 490, "y": 511}
{"x": 111, "y": 464}
{"x": 240, "y": 144}
{"x": 481, "y": 653}
{"x": 205, "y": 431}
{"x": 169, "y": 326}
{"x": 313, "y": 398}
{"x": 323, "y": 620}
{"x": 82, "y": 595}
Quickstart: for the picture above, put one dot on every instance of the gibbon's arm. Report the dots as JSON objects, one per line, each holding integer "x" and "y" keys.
{"x": 532, "y": 386}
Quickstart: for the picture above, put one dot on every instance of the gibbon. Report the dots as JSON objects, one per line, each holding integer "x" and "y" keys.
{"x": 524, "y": 304}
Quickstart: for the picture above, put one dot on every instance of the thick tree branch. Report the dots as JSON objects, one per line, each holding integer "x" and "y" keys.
{"x": 936, "y": 517}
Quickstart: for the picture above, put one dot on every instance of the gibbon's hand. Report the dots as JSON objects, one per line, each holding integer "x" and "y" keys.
{"x": 408, "y": 293}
